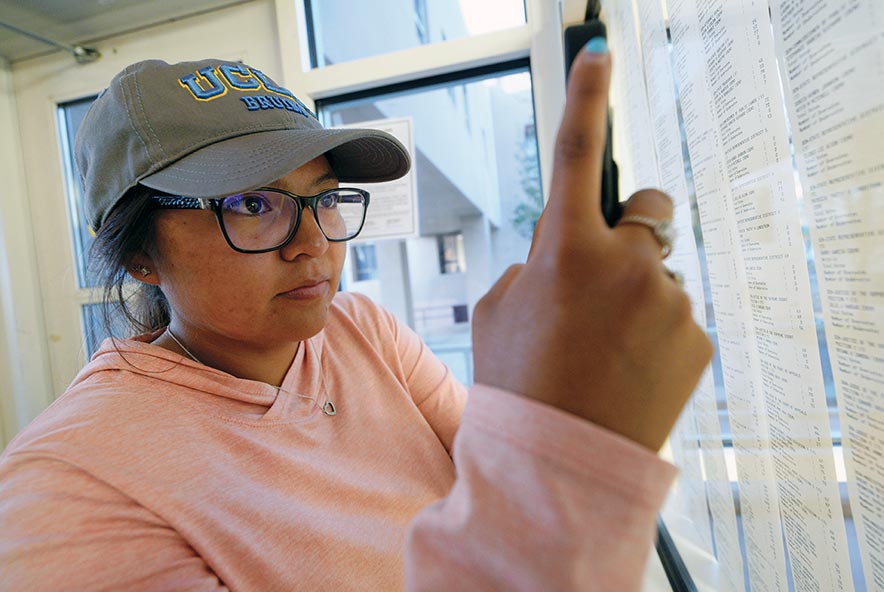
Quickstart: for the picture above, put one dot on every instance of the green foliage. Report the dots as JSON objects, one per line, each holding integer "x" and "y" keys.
{"x": 527, "y": 213}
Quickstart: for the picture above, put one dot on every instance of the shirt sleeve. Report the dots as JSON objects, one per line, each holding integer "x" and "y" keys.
{"x": 543, "y": 501}
{"x": 63, "y": 529}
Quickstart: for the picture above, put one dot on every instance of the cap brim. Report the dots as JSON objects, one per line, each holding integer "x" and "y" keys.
{"x": 249, "y": 161}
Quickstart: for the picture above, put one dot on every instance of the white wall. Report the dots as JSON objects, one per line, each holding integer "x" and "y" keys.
{"x": 430, "y": 286}
{"x": 41, "y": 345}
{"x": 24, "y": 374}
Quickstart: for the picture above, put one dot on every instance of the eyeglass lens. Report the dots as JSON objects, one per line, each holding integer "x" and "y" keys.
{"x": 263, "y": 219}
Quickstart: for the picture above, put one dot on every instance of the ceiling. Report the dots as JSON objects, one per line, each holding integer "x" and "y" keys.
{"x": 81, "y": 22}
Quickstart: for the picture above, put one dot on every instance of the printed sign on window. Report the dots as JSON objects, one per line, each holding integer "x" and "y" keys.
{"x": 392, "y": 212}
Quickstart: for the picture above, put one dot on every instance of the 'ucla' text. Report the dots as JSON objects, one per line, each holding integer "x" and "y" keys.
{"x": 210, "y": 83}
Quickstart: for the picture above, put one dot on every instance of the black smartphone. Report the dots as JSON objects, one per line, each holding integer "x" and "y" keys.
{"x": 575, "y": 38}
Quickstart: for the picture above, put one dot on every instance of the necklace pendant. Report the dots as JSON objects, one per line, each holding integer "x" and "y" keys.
{"x": 329, "y": 408}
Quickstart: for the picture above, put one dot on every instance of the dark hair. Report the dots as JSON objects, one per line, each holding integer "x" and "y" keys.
{"x": 127, "y": 232}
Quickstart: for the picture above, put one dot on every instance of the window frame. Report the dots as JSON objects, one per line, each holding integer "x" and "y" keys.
{"x": 47, "y": 302}
{"x": 539, "y": 40}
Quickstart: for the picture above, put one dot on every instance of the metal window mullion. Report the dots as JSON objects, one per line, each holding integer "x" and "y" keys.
{"x": 547, "y": 80}
{"x": 294, "y": 46}
{"x": 419, "y": 62}
{"x": 389, "y": 68}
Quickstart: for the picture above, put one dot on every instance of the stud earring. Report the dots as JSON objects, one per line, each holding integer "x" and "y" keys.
{"x": 142, "y": 270}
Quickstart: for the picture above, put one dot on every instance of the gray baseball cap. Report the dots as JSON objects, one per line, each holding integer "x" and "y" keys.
{"x": 212, "y": 128}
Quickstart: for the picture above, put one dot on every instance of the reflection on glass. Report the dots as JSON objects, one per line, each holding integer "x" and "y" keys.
{"x": 70, "y": 115}
{"x": 365, "y": 262}
{"x": 94, "y": 330}
{"x": 451, "y": 253}
{"x": 343, "y": 30}
{"x": 479, "y": 196}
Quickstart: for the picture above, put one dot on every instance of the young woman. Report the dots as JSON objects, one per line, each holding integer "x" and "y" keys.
{"x": 270, "y": 433}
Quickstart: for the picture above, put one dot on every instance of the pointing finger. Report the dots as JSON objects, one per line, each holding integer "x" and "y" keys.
{"x": 575, "y": 195}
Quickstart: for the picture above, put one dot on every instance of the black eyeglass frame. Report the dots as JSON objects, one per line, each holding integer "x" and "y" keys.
{"x": 180, "y": 202}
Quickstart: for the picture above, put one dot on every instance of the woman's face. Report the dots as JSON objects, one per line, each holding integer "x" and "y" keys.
{"x": 262, "y": 299}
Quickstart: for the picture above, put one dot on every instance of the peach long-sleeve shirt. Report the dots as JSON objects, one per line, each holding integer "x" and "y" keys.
{"x": 153, "y": 472}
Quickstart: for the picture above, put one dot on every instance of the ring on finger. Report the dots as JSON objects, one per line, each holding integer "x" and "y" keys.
{"x": 663, "y": 230}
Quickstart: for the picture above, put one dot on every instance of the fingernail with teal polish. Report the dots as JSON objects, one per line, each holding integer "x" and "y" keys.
{"x": 596, "y": 45}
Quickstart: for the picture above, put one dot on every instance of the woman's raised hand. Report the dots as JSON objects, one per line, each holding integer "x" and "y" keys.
{"x": 592, "y": 323}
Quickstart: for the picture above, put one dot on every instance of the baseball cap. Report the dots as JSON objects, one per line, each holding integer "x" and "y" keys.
{"x": 212, "y": 128}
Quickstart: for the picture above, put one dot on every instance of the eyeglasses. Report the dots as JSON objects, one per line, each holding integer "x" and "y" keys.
{"x": 266, "y": 219}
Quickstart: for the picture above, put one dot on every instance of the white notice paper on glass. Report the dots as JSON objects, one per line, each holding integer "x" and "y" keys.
{"x": 832, "y": 61}
{"x": 660, "y": 83}
{"x": 649, "y": 145}
{"x": 632, "y": 142}
{"x": 693, "y": 26}
{"x": 392, "y": 212}
{"x": 764, "y": 303}
{"x": 647, "y": 123}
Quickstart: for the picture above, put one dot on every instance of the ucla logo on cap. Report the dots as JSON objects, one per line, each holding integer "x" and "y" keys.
{"x": 211, "y": 82}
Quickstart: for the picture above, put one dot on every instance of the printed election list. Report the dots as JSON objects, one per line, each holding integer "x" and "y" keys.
{"x": 703, "y": 407}
{"x": 832, "y": 61}
{"x": 738, "y": 141}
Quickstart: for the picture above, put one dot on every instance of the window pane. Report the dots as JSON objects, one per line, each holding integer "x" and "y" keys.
{"x": 451, "y": 253}
{"x": 70, "y": 116}
{"x": 365, "y": 262}
{"x": 343, "y": 30}
{"x": 95, "y": 332}
{"x": 479, "y": 196}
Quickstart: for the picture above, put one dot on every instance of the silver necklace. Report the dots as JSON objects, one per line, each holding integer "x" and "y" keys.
{"x": 182, "y": 346}
{"x": 328, "y": 407}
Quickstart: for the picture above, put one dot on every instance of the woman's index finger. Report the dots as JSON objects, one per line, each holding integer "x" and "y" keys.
{"x": 575, "y": 191}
